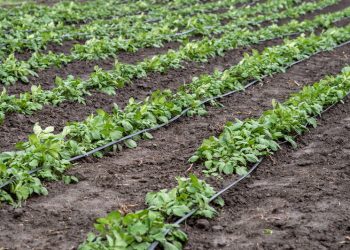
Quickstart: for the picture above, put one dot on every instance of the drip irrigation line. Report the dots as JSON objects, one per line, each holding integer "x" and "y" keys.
{"x": 170, "y": 120}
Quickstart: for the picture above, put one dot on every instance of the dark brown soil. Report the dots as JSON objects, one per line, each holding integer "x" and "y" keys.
{"x": 64, "y": 48}
{"x": 17, "y": 126}
{"x": 332, "y": 8}
{"x": 71, "y": 67}
{"x": 121, "y": 180}
{"x": 297, "y": 199}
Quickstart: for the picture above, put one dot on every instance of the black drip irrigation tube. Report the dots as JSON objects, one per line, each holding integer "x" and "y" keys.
{"x": 75, "y": 158}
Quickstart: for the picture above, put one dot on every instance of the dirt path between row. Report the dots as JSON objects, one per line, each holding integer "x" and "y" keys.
{"x": 62, "y": 219}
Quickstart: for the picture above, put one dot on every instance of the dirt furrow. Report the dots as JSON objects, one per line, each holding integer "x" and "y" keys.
{"x": 329, "y": 9}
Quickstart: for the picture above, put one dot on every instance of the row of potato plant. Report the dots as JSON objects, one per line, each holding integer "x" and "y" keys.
{"x": 17, "y": 25}
{"x": 51, "y": 152}
{"x": 11, "y": 70}
{"x": 31, "y": 16}
{"x": 75, "y": 89}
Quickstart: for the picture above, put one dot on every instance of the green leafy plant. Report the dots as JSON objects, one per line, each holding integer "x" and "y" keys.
{"x": 140, "y": 229}
{"x": 12, "y": 70}
{"x": 190, "y": 193}
{"x": 134, "y": 231}
{"x": 43, "y": 149}
{"x": 246, "y": 140}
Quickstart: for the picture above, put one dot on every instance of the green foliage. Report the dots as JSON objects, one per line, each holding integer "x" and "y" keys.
{"x": 12, "y": 70}
{"x": 241, "y": 142}
{"x": 134, "y": 231}
{"x": 140, "y": 229}
{"x": 190, "y": 193}
{"x": 32, "y": 26}
{"x": 43, "y": 149}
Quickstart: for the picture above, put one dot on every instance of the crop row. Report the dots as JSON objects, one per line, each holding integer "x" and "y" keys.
{"x": 75, "y": 89}
{"x": 37, "y": 36}
{"x": 241, "y": 143}
{"x": 12, "y": 70}
{"x": 52, "y": 152}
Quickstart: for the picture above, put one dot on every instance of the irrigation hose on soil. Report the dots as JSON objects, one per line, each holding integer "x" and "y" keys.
{"x": 171, "y": 120}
